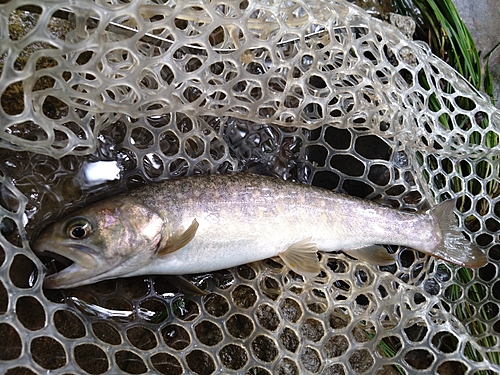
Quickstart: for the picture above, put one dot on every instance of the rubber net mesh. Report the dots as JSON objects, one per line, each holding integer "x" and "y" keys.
{"x": 315, "y": 91}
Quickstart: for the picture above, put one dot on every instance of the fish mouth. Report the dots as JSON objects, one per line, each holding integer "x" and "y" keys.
{"x": 54, "y": 262}
{"x": 68, "y": 266}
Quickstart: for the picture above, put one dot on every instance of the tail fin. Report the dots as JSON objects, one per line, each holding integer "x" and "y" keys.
{"x": 454, "y": 247}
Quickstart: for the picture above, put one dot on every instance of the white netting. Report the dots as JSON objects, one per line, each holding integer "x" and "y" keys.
{"x": 316, "y": 91}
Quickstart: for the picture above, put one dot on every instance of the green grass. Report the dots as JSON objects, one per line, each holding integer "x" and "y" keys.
{"x": 388, "y": 348}
{"x": 439, "y": 24}
{"x": 465, "y": 311}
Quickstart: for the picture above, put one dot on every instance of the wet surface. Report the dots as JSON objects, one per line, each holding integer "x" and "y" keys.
{"x": 261, "y": 316}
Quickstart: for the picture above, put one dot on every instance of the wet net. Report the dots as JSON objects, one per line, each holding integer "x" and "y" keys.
{"x": 316, "y": 92}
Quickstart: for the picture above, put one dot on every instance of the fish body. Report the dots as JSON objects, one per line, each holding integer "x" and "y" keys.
{"x": 207, "y": 223}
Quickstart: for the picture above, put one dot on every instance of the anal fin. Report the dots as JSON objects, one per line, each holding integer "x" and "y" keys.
{"x": 302, "y": 258}
{"x": 176, "y": 243}
{"x": 375, "y": 254}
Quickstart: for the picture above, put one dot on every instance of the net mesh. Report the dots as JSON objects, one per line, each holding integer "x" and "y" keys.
{"x": 317, "y": 92}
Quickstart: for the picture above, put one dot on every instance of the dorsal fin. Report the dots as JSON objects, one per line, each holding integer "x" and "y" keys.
{"x": 176, "y": 243}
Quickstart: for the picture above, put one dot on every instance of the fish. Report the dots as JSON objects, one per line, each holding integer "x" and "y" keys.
{"x": 201, "y": 224}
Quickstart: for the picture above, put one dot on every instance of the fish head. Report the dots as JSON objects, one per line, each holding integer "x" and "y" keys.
{"x": 106, "y": 240}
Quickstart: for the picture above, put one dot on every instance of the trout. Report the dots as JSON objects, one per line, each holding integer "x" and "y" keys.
{"x": 207, "y": 223}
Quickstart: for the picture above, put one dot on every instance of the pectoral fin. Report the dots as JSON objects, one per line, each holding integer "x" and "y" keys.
{"x": 302, "y": 258}
{"x": 375, "y": 254}
{"x": 175, "y": 243}
{"x": 184, "y": 285}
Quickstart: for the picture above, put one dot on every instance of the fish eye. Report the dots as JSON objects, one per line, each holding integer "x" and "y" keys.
{"x": 79, "y": 229}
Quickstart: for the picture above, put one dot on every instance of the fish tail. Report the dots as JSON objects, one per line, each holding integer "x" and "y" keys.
{"x": 453, "y": 246}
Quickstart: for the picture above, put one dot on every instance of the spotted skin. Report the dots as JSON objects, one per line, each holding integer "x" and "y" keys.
{"x": 207, "y": 223}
